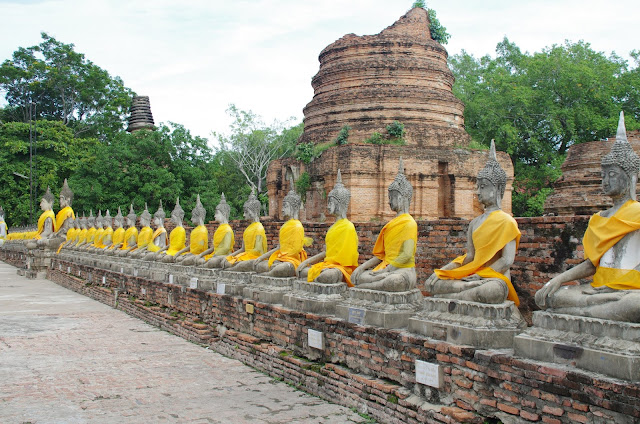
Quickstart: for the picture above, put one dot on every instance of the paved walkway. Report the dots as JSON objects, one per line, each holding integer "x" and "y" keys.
{"x": 65, "y": 358}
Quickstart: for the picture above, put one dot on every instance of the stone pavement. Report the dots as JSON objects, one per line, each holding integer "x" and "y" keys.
{"x": 65, "y": 358}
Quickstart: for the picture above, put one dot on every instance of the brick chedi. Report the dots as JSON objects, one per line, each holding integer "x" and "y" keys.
{"x": 141, "y": 117}
{"x": 579, "y": 190}
{"x": 366, "y": 83}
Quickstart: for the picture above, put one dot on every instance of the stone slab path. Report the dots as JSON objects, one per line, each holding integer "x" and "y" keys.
{"x": 65, "y": 358}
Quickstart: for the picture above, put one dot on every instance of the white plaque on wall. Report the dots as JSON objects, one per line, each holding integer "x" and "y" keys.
{"x": 429, "y": 374}
{"x": 220, "y": 288}
{"x": 135, "y": 272}
{"x": 170, "y": 278}
{"x": 68, "y": 270}
{"x": 315, "y": 339}
{"x": 143, "y": 290}
{"x": 121, "y": 270}
{"x": 193, "y": 284}
{"x": 104, "y": 280}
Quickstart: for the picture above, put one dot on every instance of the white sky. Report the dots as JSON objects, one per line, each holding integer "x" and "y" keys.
{"x": 193, "y": 58}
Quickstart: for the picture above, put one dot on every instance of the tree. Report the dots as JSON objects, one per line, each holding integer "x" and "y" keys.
{"x": 252, "y": 145}
{"x": 537, "y": 106}
{"x": 64, "y": 86}
{"x": 437, "y": 31}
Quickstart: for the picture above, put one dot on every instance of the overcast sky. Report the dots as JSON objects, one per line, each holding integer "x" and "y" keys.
{"x": 193, "y": 58}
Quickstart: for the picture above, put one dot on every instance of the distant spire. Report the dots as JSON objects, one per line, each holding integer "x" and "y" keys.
{"x": 141, "y": 117}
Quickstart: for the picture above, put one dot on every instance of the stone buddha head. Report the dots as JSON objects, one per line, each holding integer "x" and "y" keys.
{"x": 158, "y": 217}
{"x": 338, "y": 199}
{"x": 252, "y": 207}
{"x": 46, "y": 203}
{"x": 107, "y": 221}
{"x": 66, "y": 195}
{"x": 145, "y": 216}
{"x": 118, "y": 220}
{"x": 223, "y": 210}
{"x": 177, "y": 215}
{"x": 83, "y": 222}
{"x": 91, "y": 220}
{"x": 491, "y": 181}
{"x": 620, "y": 167}
{"x": 132, "y": 217}
{"x": 99, "y": 223}
{"x": 198, "y": 213}
{"x": 291, "y": 202}
{"x": 400, "y": 191}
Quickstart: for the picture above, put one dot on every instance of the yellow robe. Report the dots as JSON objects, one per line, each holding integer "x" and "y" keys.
{"x": 390, "y": 240}
{"x": 198, "y": 240}
{"x": 249, "y": 239}
{"x": 601, "y": 235}
{"x": 62, "y": 216}
{"x": 118, "y": 237}
{"x": 91, "y": 236}
{"x": 43, "y": 217}
{"x": 106, "y": 236}
{"x": 82, "y": 236}
{"x": 131, "y": 232}
{"x": 160, "y": 232}
{"x": 341, "y": 243}
{"x": 145, "y": 236}
{"x": 291, "y": 244}
{"x": 488, "y": 239}
{"x": 71, "y": 234}
{"x": 219, "y": 235}
{"x": 97, "y": 239}
{"x": 177, "y": 240}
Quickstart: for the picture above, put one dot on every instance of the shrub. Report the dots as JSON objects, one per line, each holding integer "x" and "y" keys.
{"x": 396, "y": 129}
{"x": 303, "y": 185}
{"x": 343, "y": 136}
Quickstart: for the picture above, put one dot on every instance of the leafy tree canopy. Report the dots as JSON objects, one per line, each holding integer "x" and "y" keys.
{"x": 438, "y": 32}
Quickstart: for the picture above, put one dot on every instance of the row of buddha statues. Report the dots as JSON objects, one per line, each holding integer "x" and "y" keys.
{"x": 611, "y": 244}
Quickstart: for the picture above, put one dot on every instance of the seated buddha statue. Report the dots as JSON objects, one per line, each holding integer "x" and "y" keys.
{"x": 118, "y": 234}
{"x": 223, "y": 238}
{"x": 145, "y": 236}
{"x": 482, "y": 274}
{"x": 106, "y": 239}
{"x": 159, "y": 241}
{"x": 177, "y": 237}
{"x": 130, "y": 238}
{"x": 198, "y": 238}
{"x": 340, "y": 257}
{"x": 3, "y": 227}
{"x": 72, "y": 234}
{"x": 97, "y": 237}
{"x": 46, "y": 222}
{"x": 286, "y": 257}
{"x": 91, "y": 232}
{"x": 65, "y": 217}
{"x": 611, "y": 249}
{"x": 82, "y": 233}
{"x": 392, "y": 267}
{"x": 254, "y": 239}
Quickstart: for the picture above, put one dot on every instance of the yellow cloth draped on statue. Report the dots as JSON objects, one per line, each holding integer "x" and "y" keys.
{"x": 106, "y": 236}
{"x": 43, "y": 217}
{"x": 601, "y": 235}
{"x": 118, "y": 237}
{"x": 82, "y": 236}
{"x": 389, "y": 244}
{"x": 152, "y": 246}
{"x": 145, "y": 236}
{"x": 130, "y": 232}
{"x": 71, "y": 235}
{"x": 341, "y": 243}
{"x": 177, "y": 241}
{"x": 97, "y": 239}
{"x": 292, "y": 243}
{"x": 62, "y": 215}
{"x": 198, "y": 240}
{"x": 488, "y": 239}
{"x": 249, "y": 239}
{"x": 218, "y": 236}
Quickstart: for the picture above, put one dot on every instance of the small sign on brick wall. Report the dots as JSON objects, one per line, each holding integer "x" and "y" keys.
{"x": 315, "y": 339}
{"x": 193, "y": 284}
{"x": 143, "y": 290}
{"x": 170, "y": 278}
{"x": 135, "y": 272}
{"x": 104, "y": 280}
{"x": 220, "y": 288}
{"x": 429, "y": 374}
{"x": 121, "y": 270}
{"x": 356, "y": 316}
{"x": 68, "y": 270}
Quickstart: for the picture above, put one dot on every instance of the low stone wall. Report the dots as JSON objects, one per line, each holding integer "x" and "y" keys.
{"x": 366, "y": 367}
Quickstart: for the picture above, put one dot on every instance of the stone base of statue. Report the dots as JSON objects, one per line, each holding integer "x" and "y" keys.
{"x": 38, "y": 262}
{"x": 469, "y": 323}
{"x": 268, "y": 289}
{"x": 314, "y": 297}
{"x": 603, "y": 346}
{"x": 379, "y": 308}
{"x": 232, "y": 282}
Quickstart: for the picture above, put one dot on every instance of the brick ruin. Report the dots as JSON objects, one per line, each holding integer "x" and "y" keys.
{"x": 366, "y": 83}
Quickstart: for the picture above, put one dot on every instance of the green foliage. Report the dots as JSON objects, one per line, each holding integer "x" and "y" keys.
{"x": 377, "y": 138}
{"x": 305, "y": 152}
{"x": 537, "y": 105}
{"x": 343, "y": 136}
{"x": 419, "y": 3}
{"x": 65, "y": 87}
{"x": 437, "y": 31}
{"x": 303, "y": 185}
{"x": 396, "y": 129}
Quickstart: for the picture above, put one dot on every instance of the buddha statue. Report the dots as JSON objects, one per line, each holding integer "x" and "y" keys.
{"x": 482, "y": 274}
{"x": 71, "y": 236}
{"x": 198, "y": 238}
{"x": 340, "y": 257}
{"x": 223, "y": 238}
{"x": 65, "y": 215}
{"x": 82, "y": 234}
{"x": 97, "y": 237}
{"x": 159, "y": 242}
{"x": 611, "y": 249}
{"x": 3, "y": 227}
{"x": 107, "y": 235}
{"x": 130, "y": 239}
{"x": 118, "y": 234}
{"x": 145, "y": 236}
{"x": 178, "y": 236}
{"x": 392, "y": 267}
{"x": 254, "y": 239}
{"x": 91, "y": 231}
{"x": 286, "y": 257}
{"x": 46, "y": 222}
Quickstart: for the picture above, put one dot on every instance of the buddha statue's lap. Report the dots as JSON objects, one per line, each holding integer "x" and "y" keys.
{"x": 254, "y": 240}
{"x": 198, "y": 238}
{"x": 145, "y": 236}
{"x": 158, "y": 242}
{"x": 611, "y": 249}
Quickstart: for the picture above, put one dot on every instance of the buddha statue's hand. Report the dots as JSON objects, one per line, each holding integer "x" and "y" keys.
{"x": 472, "y": 277}
{"x": 542, "y": 296}
{"x": 429, "y": 283}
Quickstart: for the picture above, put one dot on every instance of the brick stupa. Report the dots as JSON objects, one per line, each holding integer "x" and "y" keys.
{"x": 141, "y": 117}
{"x": 368, "y": 82}
{"x": 579, "y": 190}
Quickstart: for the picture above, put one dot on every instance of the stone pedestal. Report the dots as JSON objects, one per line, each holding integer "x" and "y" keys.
{"x": 607, "y": 347}
{"x": 234, "y": 282}
{"x": 38, "y": 262}
{"x": 469, "y": 323}
{"x": 314, "y": 297}
{"x": 268, "y": 289}
{"x": 379, "y": 308}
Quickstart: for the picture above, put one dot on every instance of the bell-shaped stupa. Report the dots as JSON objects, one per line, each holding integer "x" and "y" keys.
{"x": 141, "y": 117}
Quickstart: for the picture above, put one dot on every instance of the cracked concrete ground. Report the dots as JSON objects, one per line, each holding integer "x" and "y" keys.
{"x": 65, "y": 358}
